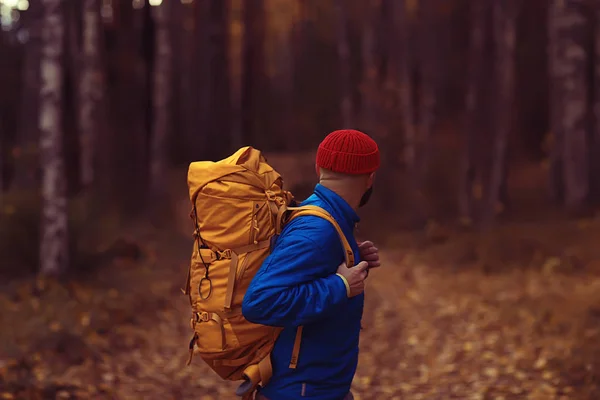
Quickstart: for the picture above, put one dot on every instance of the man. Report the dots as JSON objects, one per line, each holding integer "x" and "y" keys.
{"x": 303, "y": 283}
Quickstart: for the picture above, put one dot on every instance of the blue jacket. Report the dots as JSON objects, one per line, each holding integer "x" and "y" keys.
{"x": 297, "y": 285}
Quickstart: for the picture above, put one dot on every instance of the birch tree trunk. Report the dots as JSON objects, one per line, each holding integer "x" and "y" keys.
{"x": 472, "y": 128}
{"x": 162, "y": 95}
{"x": 90, "y": 90}
{"x": 54, "y": 230}
{"x": 343, "y": 49}
{"x": 569, "y": 90}
{"x": 504, "y": 24}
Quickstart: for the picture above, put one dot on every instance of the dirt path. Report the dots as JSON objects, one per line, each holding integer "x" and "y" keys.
{"x": 429, "y": 333}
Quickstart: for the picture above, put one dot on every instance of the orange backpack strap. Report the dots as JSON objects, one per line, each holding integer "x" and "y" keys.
{"x": 349, "y": 254}
{"x": 321, "y": 213}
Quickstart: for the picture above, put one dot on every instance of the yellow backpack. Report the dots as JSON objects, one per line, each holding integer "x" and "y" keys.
{"x": 238, "y": 208}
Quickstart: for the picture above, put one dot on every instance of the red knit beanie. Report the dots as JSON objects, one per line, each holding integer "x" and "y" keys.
{"x": 348, "y": 151}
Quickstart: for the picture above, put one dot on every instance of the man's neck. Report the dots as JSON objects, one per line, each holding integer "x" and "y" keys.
{"x": 347, "y": 193}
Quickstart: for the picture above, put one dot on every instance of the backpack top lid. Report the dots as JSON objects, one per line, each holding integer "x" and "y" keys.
{"x": 246, "y": 159}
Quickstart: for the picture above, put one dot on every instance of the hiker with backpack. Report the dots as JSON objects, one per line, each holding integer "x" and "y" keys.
{"x": 311, "y": 284}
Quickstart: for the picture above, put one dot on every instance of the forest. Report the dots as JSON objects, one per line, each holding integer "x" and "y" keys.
{"x": 486, "y": 208}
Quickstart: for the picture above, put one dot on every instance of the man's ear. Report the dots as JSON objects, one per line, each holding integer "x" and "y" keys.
{"x": 371, "y": 179}
{"x": 318, "y": 171}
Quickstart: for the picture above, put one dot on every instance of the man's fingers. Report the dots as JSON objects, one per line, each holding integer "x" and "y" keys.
{"x": 374, "y": 264}
{"x": 365, "y": 244}
{"x": 342, "y": 266}
{"x": 369, "y": 250}
{"x": 361, "y": 266}
{"x": 371, "y": 257}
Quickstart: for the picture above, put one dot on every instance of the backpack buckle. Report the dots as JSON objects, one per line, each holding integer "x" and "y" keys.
{"x": 202, "y": 316}
{"x": 223, "y": 254}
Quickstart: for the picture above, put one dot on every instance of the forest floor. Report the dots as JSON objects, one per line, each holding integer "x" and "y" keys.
{"x": 450, "y": 315}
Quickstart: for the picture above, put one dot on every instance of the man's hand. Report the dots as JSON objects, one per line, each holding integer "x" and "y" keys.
{"x": 355, "y": 277}
{"x": 369, "y": 253}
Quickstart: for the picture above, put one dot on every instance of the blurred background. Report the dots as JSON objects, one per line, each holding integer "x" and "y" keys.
{"x": 485, "y": 209}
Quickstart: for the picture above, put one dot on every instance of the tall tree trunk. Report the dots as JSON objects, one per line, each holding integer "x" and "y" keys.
{"x": 184, "y": 100}
{"x": 392, "y": 141}
{"x": 570, "y": 85}
{"x": 162, "y": 95}
{"x": 70, "y": 107}
{"x": 405, "y": 83}
{"x": 369, "y": 61}
{"x": 90, "y": 90}
{"x": 504, "y": 23}
{"x": 237, "y": 44}
{"x": 2, "y": 158}
{"x": 284, "y": 87}
{"x": 253, "y": 74}
{"x": 472, "y": 128}
{"x": 555, "y": 181}
{"x": 187, "y": 104}
{"x": 130, "y": 108}
{"x": 595, "y": 146}
{"x": 54, "y": 241}
{"x": 203, "y": 60}
{"x": 220, "y": 90}
{"x": 409, "y": 57}
{"x": 343, "y": 49}
{"x": 428, "y": 72}
{"x": 72, "y": 32}
{"x": 26, "y": 152}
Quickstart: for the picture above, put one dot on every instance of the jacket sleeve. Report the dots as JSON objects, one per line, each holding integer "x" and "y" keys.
{"x": 295, "y": 286}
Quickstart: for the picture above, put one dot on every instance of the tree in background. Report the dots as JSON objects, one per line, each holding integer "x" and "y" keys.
{"x": 478, "y": 11}
{"x": 569, "y": 60}
{"x": 162, "y": 96}
{"x": 254, "y": 80}
{"x": 404, "y": 67}
{"x": 504, "y": 28}
{"x": 91, "y": 87}
{"x": 428, "y": 70}
{"x": 595, "y": 137}
{"x": 343, "y": 50}
{"x": 54, "y": 247}
{"x": 26, "y": 146}
{"x": 217, "y": 137}
{"x": 369, "y": 84}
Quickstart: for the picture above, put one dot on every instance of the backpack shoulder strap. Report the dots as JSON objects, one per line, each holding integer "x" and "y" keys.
{"x": 349, "y": 254}
{"x": 321, "y": 213}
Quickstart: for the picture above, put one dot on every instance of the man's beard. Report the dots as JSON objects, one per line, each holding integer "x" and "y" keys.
{"x": 365, "y": 197}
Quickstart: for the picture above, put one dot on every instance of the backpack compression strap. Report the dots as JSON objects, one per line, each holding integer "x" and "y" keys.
{"x": 349, "y": 254}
